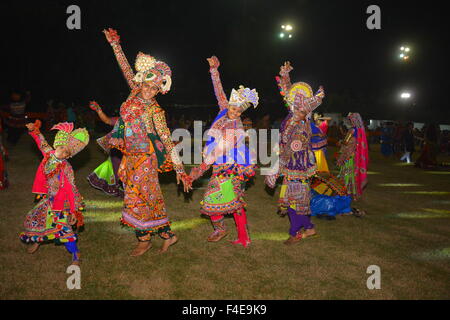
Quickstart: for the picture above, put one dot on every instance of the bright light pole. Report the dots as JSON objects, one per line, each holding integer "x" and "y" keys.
{"x": 405, "y": 95}
{"x": 405, "y": 53}
{"x": 286, "y": 31}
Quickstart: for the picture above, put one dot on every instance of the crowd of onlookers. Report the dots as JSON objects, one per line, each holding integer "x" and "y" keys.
{"x": 397, "y": 139}
{"x": 403, "y": 140}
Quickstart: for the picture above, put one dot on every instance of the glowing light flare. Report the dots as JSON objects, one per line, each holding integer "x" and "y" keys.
{"x": 103, "y": 204}
{"x": 405, "y": 95}
{"x": 102, "y": 217}
{"x": 400, "y": 185}
{"x": 434, "y": 193}
{"x": 188, "y": 223}
{"x": 422, "y": 215}
{"x": 438, "y": 254}
{"x": 271, "y": 236}
{"x": 436, "y": 210}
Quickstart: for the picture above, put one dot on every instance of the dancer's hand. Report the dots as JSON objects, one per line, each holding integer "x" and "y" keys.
{"x": 286, "y": 68}
{"x": 187, "y": 181}
{"x": 214, "y": 62}
{"x": 72, "y": 219}
{"x": 95, "y": 106}
{"x": 112, "y": 36}
{"x": 320, "y": 93}
{"x": 30, "y": 126}
{"x": 271, "y": 181}
{"x": 34, "y": 126}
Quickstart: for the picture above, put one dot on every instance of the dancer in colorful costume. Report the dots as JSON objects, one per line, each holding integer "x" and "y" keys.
{"x": 226, "y": 152}
{"x": 142, "y": 135}
{"x": 319, "y": 141}
{"x": 54, "y": 217}
{"x": 297, "y": 160}
{"x": 353, "y": 159}
{"x": 105, "y": 177}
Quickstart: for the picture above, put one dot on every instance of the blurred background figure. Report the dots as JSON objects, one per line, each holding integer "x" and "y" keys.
{"x": 3, "y": 157}
{"x": 430, "y": 147}
{"x": 17, "y": 117}
{"x": 386, "y": 139}
{"x": 408, "y": 143}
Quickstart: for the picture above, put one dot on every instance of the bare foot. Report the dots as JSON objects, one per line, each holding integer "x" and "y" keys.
{"x": 292, "y": 240}
{"x": 33, "y": 248}
{"x": 217, "y": 236}
{"x": 309, "y": 233}
{"x": 141, "y": 248}
{"x": 167, "y": 243}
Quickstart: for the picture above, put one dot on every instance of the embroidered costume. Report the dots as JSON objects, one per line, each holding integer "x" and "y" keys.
{"x": 105, "y": 177}
{"x": 353, "y": 159}
{"x": 141, "y": 134}
{"x": 319, "y": 144}
{"x": 225, "y": 151}
{"x": 297, "y": 160}
{"x": 49, "y": 220}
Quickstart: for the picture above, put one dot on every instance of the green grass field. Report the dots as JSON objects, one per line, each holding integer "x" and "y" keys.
{"x": 406, "y": 233}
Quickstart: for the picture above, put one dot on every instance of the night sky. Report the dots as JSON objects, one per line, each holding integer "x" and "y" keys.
{"x": 331, "y": 46}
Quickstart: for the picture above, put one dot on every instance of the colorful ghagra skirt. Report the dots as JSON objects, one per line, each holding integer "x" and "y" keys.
{"x": 224, "y": 195}
{"x": 347, "y": 174}
{"x": 295, "y": 194}
{"x": 144, "y": 209}
{"x": 42, "y": 224}
{"x": 104, "y": 178}
{"x": 321, "y": 161}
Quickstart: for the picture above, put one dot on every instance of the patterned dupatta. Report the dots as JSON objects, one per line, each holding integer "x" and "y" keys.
{"x": 361, "y": 153}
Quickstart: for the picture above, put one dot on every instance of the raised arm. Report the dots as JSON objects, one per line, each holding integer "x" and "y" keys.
{"x": 284, "y": 80}
{"x": 114, "y": 40}
{"x": 33, "y": 130}
{"x": 310, "y": 104}
{"x": 96, "y": 107}
{"x": 214, "y": 64}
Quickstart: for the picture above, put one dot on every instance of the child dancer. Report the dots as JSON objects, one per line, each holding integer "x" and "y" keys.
{"x": 297, "y": 160}
{"x": 226, "y": 152}
{"x": 53, "y": 218}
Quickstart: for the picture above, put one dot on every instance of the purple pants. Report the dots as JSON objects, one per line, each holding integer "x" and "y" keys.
{"x": 298, "y": 222}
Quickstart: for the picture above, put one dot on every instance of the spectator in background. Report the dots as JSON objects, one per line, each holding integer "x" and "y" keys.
{"x": 17, "y": 117}
{"x": 51, "y": 116}
{"x": 71, "y": 115}
{"x": 428, "y": 155}
{"x": 408, "y": 143}
{"x": 3, "y": 156}
{"x": 386, "y": 139}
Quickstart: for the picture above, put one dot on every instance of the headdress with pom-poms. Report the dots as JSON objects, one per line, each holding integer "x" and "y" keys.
{"x": 74, "y": 140}
{"x": 151, "y": 70}
{"x": 243, "y": 97}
